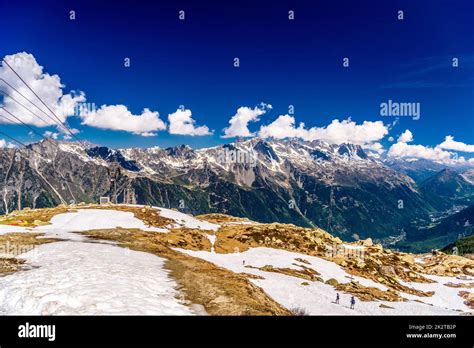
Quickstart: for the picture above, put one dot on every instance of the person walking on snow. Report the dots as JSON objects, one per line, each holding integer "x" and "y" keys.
{"x": 337, "y": 298}
{"x": 353, "y": 301}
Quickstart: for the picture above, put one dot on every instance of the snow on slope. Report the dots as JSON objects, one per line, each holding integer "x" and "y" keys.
{"x": 187, "y": 220}
{"x": 87, "y": 219}
{"x": 318, "y": 298}
{"x": 14, "y": 229}
{"x": 83, "y": 220}
{"x": 78, "y": 150}
{"x": 181, "y": 219}
{"x": 445, "y": 296}
{"x": 90, "y": 278}
{"x": 90, "y": 219}
{"x": 81, "y": 277}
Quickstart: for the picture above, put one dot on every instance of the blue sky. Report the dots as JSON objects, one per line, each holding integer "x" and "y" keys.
{"x": 282, "y": 62}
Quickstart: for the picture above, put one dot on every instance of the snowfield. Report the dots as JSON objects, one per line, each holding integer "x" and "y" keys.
{"x": 318, "y": 298}
{"x": 445, "y": 296}
{"x": 90, "y": 278}
{"x": 181, "y": 219}
{"x": 188, "y": 221}
{"x": 93, "y": 219}
{"x": 84, "y": 220}
{"x": 90, "y": 219}
{"x": 79, "y": 276}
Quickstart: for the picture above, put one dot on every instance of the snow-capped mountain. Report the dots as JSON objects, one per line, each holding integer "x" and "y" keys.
{"x": 338, "y": 187}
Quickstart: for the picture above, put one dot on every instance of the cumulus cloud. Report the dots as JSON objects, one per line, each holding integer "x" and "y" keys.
{"x": 4, "y": 143}
{"x": 404, "y": 150}
{"x": 437, "y": 153}
{"x": 337, "y": 132}
{"x": 405, "y": 137}
{"x": 283, "y": 127}
{"x": 51, "y": 91}
{"x": 49, "y": 134}
{"x": 68, "y": 135}
{"x": 238, "y": 124}
{"x": 118, "y": 117}
{"x": 182, "y": 123}
{"x": 376, "y": 147}
{"x": 48, "y": 87}
{"x": 450, "y": 144}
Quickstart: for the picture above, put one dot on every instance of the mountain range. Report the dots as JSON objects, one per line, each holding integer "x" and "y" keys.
{"x": 342, "y": 188}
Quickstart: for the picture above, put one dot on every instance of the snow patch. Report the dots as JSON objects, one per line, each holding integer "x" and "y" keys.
{"x": 318, "y": 298}
{"x": 187, "y": 220}
{"x": 76, "y": 278}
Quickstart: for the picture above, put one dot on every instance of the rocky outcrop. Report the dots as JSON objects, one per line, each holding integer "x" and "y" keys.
{"x": 365, "y": 293}
{"x": 468, "y": 297}
{"x": 304, "y": 272}
{"x": 448, "y": 265}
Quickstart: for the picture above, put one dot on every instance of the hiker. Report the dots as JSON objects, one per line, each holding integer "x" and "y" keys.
{"x": 337, "y": 298}
{"x": 243, "y": 262}
{"x": 353, "y": 301}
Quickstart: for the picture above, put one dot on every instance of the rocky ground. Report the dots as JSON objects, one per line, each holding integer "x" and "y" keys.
{"x": 234, "y": 266}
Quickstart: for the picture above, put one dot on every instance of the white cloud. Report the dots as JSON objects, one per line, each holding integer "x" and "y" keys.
{"x": 51, "y": 91}
{"x": 4, "y": 143}
{"x": 376, "y": 147}
{"x": 348, "y": 131}
{"x": 238, "y": 124}
{"x": 49, "y": 134}
{"x": 68, "y": 135}
{"x": 405, "y": 137}
{"x": 283, "y": 127}
{"x": 48, "y": 87}
{"x": 337, "y": 132}
{"x": 181, "y": 122}
{"x": 404, "y": 150}
{"x": 450, "y": 144}
{"x": 118, "y": 117}
{"x": 438, "y": 153}
{"x": 148, "y": 134}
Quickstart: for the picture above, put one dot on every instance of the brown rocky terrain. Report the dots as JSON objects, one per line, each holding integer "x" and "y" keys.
{"x": 448, "y": 265}
{"x": 460, "y": 285}
{"x": 220, "y": 218}
{"x": 365, "y": 293}
{"x": 33, "y": 217}
{"x": 304, "y": 273}
{"x": 468, "y": 297}
{"x": 378, "y": 264}
{"x": 223, "y": 292}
